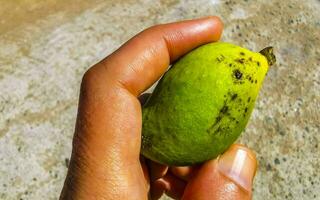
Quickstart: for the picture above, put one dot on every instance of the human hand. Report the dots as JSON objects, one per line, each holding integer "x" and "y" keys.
{"x": 106, "y": 161}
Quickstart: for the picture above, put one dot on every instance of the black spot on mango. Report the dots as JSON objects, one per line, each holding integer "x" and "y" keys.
{"x": 234, "y": 96}
{"x": 237, "y": 73}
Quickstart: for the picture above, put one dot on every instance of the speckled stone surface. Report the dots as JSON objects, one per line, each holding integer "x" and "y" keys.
{"x": 45, "y": 47}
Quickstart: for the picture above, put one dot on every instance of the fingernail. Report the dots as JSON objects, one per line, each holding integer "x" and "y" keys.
{"x": 238, "y": 164}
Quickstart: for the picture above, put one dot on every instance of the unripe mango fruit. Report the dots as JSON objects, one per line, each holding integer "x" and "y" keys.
{"x": 202, "y": 103}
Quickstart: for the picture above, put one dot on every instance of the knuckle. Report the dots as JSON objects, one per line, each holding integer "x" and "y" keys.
{"x": 88, "y": 76}
{"x": 87, "y": 83}
{"x": 153, "y": 28}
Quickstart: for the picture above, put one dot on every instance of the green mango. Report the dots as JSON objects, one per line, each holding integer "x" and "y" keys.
{"x": 202, "y": 103}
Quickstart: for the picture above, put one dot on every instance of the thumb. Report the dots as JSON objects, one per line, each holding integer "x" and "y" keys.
{"x": 228, "y": 177}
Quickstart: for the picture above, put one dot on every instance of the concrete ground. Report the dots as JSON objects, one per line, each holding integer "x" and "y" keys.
{"x": 46, "y": 46}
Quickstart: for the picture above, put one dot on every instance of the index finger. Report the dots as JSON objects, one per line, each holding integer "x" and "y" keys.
{"x": 143, "y": 59}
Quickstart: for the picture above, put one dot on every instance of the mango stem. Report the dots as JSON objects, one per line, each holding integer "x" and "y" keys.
{"x": 268, "y": 53}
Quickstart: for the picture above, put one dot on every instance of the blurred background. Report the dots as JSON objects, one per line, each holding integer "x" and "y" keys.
{"x": 46, "y": 46}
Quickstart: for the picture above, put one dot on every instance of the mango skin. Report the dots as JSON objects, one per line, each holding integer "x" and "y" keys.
{"x": 202, "y": 104}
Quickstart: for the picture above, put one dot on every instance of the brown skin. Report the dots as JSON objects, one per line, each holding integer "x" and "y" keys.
{"x": 105, "y": 161}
